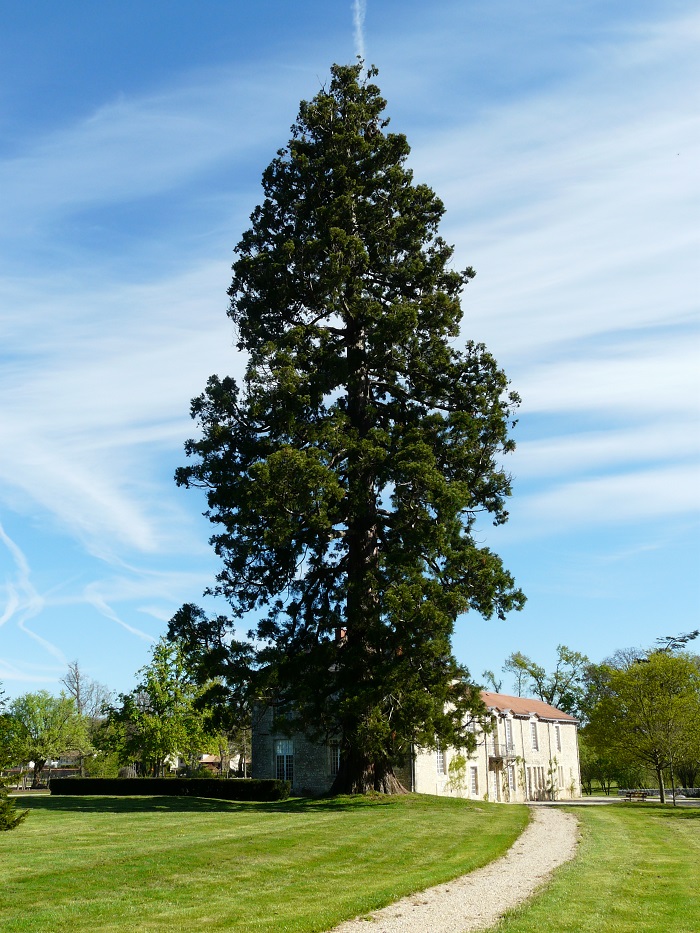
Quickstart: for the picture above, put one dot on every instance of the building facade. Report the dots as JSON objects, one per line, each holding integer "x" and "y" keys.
{"x": 530, "y": 752}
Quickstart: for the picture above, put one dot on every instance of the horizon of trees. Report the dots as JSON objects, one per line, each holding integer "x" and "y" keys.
{"x": 651, "y": 695}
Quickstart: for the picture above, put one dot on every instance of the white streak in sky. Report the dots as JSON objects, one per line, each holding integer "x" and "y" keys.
{"x": 23, "y": 601}
{"x": 359, "y": 8}
{"x": 94, "y": 599}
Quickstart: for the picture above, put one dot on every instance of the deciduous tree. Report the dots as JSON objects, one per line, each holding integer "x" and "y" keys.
{"x": 158, "y": 719}
{"x": 565, "y": 687}
{"x": 46, "y": 727}
{"x": 91, "y": 698}
{"x": 346, "y": 475}
{"x": 649, "y": 713}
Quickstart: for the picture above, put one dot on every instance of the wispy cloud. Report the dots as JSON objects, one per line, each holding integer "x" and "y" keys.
{"x": 95, "y": 599}
{"x": 359, "y": 10}
{"x": 137, "y": 147}
{"x": 606, "y": 500}
{"x": 23, "y": 602}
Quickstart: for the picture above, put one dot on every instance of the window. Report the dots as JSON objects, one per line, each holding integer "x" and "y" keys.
{"x": 334, "y": 756}
{"x": 509, "y": 734}
{"x": 440, "y": 760}
{"x": 511, "y": 778}
{"x": 474, "y": 781}
{"x": 533, "y": 733}
{"x": 557, "y": 736}
{"x": 284, "y": 760}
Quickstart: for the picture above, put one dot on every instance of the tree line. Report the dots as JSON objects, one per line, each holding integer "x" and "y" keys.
{"x": 161, "y": 721}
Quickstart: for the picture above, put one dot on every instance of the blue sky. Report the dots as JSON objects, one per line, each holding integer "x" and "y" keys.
{"x": 564, "y": 140}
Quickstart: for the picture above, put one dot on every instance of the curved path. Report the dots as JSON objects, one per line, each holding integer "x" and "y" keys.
{"x": 477, "y": 900}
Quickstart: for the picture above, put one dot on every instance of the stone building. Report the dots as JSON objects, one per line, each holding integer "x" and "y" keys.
{"x": 530, "y": 753}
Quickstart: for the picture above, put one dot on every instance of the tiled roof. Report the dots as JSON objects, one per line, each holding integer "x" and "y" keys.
{"x": 524, "y": 706}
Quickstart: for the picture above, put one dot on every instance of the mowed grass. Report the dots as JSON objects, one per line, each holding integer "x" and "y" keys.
{"x": 164, "y": 863}
{"x": 637, "y": 870}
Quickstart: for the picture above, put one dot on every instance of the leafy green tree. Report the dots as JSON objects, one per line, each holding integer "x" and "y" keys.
{"x": 345, "y": 476}
{"x": 46, "y": 727}
{"x": 649, "y": 713}
{"x": 603, "y": 766}
{"x": 10, "y": 816}
{"x": 158, "y": 720}
{"x": 566, "y": 687}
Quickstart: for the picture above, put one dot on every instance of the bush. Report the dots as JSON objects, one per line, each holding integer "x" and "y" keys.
{"x": 247, "y": 789}
{"x": 10, "y": 816}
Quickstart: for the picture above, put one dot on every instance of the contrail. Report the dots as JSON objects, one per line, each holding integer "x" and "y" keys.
{"x": 359, "y": 8}
{"x": 94, "y": 599}
{"x": 23, "y": 600}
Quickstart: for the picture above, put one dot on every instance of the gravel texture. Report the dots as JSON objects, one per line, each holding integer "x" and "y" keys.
{"x": 476, "y": 901}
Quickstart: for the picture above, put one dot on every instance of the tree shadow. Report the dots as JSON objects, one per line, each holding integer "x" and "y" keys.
{"x": 182, "y": 804}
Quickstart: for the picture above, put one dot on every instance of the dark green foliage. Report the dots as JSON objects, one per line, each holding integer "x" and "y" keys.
{"x": 171, "y": 787}
{"x": 345, "y": 476}
{"x": 10, "y": 816}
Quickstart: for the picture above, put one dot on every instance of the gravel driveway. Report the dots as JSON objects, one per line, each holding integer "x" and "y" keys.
{"x": 476, "y": 901}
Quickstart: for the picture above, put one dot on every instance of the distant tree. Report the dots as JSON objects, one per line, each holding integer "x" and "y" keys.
{"x": 649, "y": 713}
{"x": 158, "y": 719}
{"x": 564, "y": 688}
{"x": 491, "y": 681}
{"x": 347, "y": 473}
{"x": 10, "y": 816}
{"x": 46, "y": 727}
{"x": 91, "y": 698}
{"x": 676, "y": 642}
{"x": 603, "y": 767}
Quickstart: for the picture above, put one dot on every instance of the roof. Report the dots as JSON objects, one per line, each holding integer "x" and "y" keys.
{"x": 524, "y": 706}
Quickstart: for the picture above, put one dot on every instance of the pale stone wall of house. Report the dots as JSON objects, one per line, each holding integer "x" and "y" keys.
{"x": 505, "y": 766}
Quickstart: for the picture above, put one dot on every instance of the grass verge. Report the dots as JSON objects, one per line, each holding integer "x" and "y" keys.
{"x": 636, "y": 870}
{"x": 157, "y": 863}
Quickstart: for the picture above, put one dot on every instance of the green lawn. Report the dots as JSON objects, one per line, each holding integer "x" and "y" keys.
{"x": 637, "y": 871}
{"x": 164, "y": 863}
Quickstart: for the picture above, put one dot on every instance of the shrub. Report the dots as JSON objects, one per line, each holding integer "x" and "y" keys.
{"x": 10, "y": 816}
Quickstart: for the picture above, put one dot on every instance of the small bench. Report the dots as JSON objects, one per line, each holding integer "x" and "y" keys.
{"x": 636, "y": 795}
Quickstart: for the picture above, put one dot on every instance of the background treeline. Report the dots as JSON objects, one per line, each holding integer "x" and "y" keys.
{"x": 639, "y": 712}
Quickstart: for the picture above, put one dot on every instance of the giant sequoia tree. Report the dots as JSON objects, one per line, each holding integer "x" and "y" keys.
{"x": 346, "y": 473}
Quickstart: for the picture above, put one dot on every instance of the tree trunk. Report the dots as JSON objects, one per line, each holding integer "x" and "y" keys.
{"x": 673, "y": 784}
{"x": 660, "y": 776}
{"x": 358, "y": 775}
{"x": 38, "y": 768}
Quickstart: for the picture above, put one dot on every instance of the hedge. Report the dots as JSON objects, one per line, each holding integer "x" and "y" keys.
{"x": 233, "y": 789}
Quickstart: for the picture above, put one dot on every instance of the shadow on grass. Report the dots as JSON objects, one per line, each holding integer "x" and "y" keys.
{"x": 669, "y": 812}
{"x": 182, "y": 804}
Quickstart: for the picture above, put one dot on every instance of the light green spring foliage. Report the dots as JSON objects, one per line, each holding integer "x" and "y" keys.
{"x": 159, "y": 719}
{"x": 45, "y": 727}
{"x": 346, "y": 473}
{"x": 648, "y": 712}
